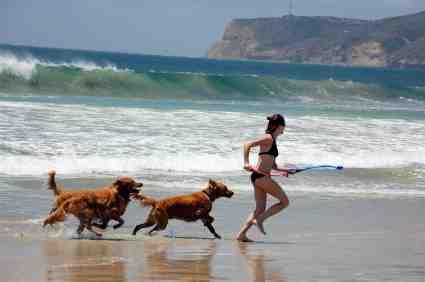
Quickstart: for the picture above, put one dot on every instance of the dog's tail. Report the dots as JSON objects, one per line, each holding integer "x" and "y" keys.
{"x": 51, "y": 182}
{"x": 147, "y": 201}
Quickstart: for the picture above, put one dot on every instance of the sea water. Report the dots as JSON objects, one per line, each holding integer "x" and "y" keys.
{"x": 176, "y": 122}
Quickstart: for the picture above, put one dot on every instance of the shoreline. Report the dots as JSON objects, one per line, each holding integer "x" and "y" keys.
{"x": 314, "y": 239}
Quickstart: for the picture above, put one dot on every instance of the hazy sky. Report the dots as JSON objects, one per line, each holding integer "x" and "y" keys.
{"x": 173, "y": 27}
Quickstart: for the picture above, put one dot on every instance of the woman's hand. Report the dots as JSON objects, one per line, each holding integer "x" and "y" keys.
{"x": 247, "y": 167}
{"x": 286, "y": 171}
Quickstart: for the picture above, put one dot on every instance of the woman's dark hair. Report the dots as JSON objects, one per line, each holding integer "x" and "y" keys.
{"x": 274, "y": 121}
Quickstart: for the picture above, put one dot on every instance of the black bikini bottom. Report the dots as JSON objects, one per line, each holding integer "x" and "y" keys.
{"x": 255, "y": 175}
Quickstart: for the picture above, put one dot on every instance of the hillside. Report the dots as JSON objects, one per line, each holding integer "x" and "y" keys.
{"x": 398, "y": 41}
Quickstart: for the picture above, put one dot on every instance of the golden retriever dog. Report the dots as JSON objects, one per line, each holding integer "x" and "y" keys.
{"x": 105, "y": 204}
{"x": 186, "y": 207}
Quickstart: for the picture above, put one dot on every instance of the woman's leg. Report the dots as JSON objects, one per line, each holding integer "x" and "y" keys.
{"x": 269, "y": 186}
{"x": 260, "y": 207}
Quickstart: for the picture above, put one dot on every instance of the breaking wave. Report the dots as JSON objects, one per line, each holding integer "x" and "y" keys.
{"x": 30, "y": 75}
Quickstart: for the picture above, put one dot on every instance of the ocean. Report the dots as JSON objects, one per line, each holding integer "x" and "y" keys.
{"x": 174, "y": 123}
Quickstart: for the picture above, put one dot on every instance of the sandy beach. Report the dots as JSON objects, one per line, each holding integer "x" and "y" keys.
{"x": 316, "y": 239}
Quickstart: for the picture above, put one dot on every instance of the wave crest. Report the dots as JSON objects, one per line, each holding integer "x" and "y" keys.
{"x": 26, "y": 66}
{"x": 26, "y": 74}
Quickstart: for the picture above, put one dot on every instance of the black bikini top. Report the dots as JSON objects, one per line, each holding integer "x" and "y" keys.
{"x": 272, "y": 151}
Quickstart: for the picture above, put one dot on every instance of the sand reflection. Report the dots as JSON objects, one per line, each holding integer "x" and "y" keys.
{"x": 258, "y": 265}
{"x": 177, "y": 260}
{"x": 78, "y": 261}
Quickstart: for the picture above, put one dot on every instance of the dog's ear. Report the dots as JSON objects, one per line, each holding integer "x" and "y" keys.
{"x": 212, "y": 183}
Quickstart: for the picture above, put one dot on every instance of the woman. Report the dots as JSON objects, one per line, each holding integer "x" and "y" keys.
{"x": 260, "y": 177}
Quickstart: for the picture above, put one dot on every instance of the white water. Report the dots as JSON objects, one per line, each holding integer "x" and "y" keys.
{"x": 26, "y": 67}
{"x": 79, "y": 139}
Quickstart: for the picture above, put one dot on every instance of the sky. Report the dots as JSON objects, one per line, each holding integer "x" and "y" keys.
{"x": 172, "y": 28}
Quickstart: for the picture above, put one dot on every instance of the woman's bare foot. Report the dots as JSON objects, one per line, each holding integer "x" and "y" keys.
{"x": 244, "y": 239}
{"x": 259, "y": 225}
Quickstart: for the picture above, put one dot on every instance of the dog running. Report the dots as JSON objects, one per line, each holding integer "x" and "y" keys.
{"x": 189, "y": 208}
{"x": 105, "y": 204}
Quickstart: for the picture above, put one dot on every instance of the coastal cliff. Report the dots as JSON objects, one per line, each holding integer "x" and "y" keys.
{"x": 398, "y": 41}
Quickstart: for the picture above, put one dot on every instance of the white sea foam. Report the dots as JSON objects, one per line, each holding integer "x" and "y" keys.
{"x": 75, "y": 164}
{"x": 20, "y": 67}
{"x": 26, "y": 66}
{"x": 84, "y": 139}
{"x": 292, "y": 185}
{"x": 165, "y": 146}
{"x": 342, "y": 190}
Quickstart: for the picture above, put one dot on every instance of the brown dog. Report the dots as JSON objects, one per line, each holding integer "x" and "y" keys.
{"x": 187, "y": 207}
{"x": 104, "y": 204}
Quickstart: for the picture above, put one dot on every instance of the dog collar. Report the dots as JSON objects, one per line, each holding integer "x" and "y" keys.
{"x": 210, "y": 197}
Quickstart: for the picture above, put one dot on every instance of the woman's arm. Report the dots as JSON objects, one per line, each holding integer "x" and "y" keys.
{"x": 265, "y": 140}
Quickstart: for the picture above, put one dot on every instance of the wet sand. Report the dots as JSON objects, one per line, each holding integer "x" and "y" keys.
{"x": 316, "y": 239}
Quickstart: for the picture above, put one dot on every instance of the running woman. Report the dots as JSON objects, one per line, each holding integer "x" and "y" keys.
{"x": 260, "y": 177}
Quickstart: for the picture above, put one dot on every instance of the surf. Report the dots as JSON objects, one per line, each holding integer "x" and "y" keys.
{"x": 43, "y": 71}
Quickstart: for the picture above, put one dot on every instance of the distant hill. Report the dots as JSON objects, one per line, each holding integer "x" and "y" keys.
{"x": 398, "y": 41}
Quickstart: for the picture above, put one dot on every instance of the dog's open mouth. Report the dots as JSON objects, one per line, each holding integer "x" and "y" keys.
{"x": 136, "y": 195}
{"x": 136, "y": 189}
